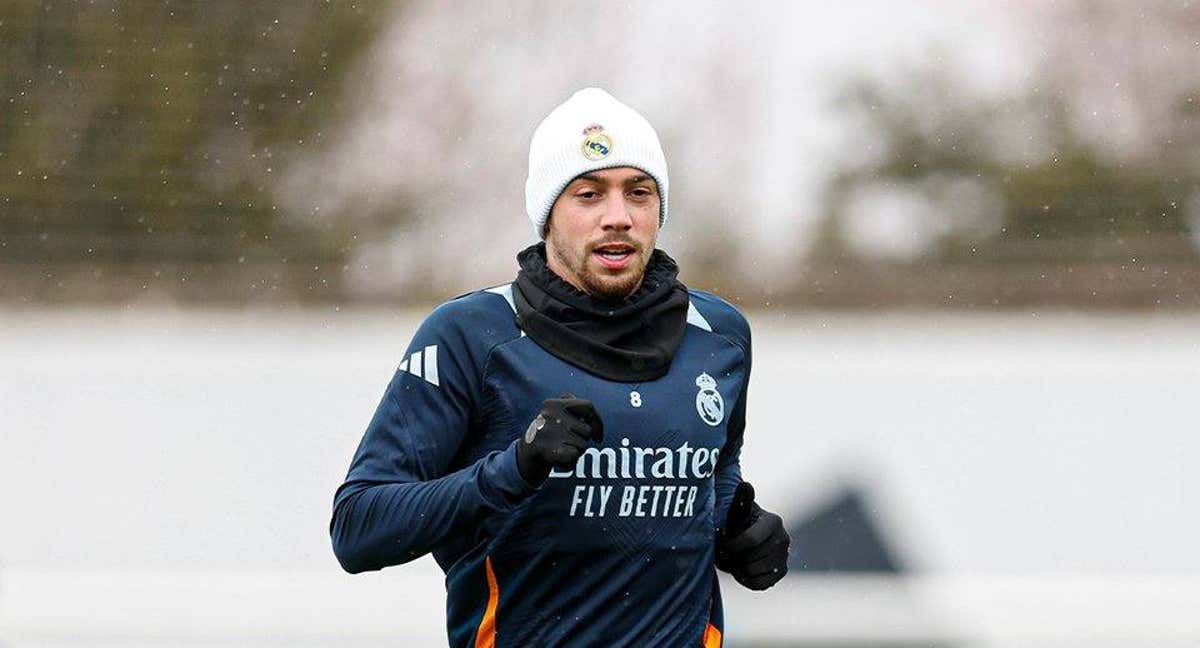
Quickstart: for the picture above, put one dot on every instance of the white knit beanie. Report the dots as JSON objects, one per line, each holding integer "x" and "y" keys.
{"x": 589, "y": 131}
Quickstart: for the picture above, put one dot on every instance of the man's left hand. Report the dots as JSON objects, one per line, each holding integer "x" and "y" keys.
{"x": 753, "y": 545}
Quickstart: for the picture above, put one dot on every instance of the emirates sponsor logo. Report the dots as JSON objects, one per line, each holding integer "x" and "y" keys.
{"x": 684, "y": 463}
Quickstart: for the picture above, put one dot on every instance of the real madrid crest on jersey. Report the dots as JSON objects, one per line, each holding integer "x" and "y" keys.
{"x": 596, "y": 143}
{"x": 709, "y": 404}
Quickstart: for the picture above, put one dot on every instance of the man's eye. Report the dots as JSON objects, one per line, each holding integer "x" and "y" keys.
{"x": 587, "y": 195}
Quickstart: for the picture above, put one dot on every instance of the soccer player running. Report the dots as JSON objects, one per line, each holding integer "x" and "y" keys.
{"x": 566, "y": 445}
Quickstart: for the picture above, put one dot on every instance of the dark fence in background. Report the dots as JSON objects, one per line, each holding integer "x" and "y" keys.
{"x": 140, "y": 141}
{"x": 140, "y": 144}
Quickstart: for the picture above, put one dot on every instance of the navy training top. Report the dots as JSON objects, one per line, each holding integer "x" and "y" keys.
{"x": 618, "y": 550}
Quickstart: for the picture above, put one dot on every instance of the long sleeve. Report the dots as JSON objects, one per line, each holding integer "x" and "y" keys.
{"x": 729, "y": 470}
{"x": 398, "y": 501}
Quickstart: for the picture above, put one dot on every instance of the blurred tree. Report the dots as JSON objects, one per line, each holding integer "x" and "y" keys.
{"x": 1082, "y": 188}
{"x": 1063, "y": 199}
{"x": 142, "y": 140}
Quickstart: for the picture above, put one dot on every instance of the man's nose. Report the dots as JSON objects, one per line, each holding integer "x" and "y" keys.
{"x": 617, "y": 213}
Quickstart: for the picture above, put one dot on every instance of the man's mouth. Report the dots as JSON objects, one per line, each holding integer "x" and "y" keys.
{"x": 614, "y": 256}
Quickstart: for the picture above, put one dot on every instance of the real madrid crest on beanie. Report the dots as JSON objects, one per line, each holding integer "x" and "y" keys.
{"x": 589, "y": 131}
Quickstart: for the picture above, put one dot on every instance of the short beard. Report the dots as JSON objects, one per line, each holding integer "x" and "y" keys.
{"x": 603, "y": 288}
{"x": 613, "y": 289}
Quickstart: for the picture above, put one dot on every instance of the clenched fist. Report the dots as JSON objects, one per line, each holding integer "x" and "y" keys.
{"x": 557, "y": 436}
{"x": 753, "y": 545}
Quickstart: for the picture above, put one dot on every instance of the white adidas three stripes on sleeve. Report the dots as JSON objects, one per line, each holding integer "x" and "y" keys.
{"x": 423, "y": 364}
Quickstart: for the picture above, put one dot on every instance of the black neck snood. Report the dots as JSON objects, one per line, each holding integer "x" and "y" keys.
{"x": 628, "y": 340}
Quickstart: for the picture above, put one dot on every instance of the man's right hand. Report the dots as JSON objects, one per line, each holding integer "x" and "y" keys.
{"x": 557, "y": 436}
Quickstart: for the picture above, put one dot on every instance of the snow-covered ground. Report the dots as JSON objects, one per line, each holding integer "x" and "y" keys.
{"x": 166, "y": 476}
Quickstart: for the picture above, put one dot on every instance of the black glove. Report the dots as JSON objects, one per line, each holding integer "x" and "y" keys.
{"x": 753, "y": 545}
{"x": 557, "y": 436}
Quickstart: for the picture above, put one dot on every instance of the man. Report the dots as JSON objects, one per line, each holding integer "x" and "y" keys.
{"x": 566, "y": 446}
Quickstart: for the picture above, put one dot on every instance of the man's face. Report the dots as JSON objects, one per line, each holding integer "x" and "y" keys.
{"x": 602, "y": 230}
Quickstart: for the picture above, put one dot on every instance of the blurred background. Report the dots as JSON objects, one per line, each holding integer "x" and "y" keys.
{"x": 967, "y": 236}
